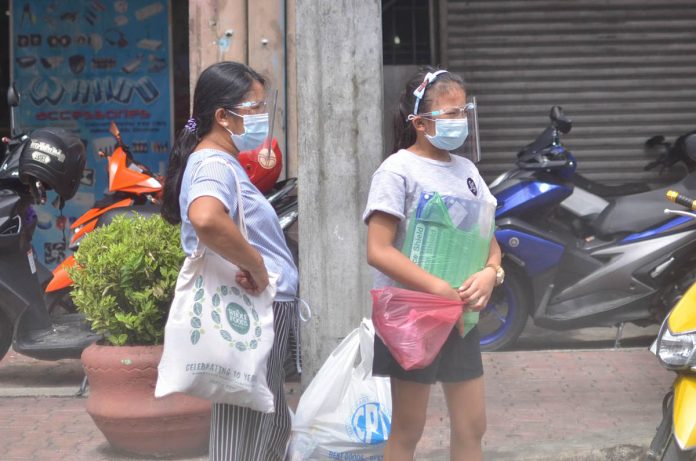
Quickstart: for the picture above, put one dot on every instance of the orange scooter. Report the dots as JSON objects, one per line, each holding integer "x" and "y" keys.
{"x": 131, "y": 185}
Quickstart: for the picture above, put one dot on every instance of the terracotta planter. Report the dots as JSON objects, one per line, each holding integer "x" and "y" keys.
{"x": 123, "y": 406}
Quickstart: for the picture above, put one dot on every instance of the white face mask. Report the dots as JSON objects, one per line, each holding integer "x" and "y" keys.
{"x": 450, "y": 134}
{"x": 255, "y": 131}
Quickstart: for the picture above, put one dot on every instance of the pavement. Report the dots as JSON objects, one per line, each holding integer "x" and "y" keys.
{"x": 560, "y": 404}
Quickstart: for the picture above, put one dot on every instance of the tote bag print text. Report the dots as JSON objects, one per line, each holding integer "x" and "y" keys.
{"x": 247, "y": 328}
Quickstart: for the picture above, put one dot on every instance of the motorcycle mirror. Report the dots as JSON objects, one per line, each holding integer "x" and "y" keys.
{"x": 12, "y": 96}
{"x": 690, "y": 146}
{"x": 654, "y": 141}
{"x": 559, "y": 120}
{"x": 116, "y": 133}
{"x": 13, "y": 102}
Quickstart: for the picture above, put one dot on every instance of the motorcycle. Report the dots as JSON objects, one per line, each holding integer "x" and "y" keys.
{"x": 574, "y": 259}
{"x": 675, "y": 348}
{"x": 48, "y": 158}
{"x": 133, "y": 189}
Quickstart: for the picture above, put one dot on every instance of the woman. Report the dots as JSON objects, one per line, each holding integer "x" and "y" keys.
{"x": 230, "y": 115}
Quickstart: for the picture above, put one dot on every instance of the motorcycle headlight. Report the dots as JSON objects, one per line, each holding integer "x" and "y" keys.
{"x": 676, "y": 351}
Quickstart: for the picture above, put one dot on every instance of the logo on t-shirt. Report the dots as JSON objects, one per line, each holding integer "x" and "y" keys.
{"x": 472, "y": 186}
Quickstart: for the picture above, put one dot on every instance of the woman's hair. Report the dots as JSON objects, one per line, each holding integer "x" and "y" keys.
{"x": 404, "y": 132}
{"x": 222, "y": 85}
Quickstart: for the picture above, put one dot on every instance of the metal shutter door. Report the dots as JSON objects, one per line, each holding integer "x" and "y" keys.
{"x": 623, "y": 70}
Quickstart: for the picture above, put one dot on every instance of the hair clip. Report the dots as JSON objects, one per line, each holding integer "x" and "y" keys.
{"x": 420, "y": 91}
{"x": 191, "y": 125}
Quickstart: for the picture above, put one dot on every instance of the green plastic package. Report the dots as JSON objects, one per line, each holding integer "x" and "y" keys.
{"x": 450, "y": 238}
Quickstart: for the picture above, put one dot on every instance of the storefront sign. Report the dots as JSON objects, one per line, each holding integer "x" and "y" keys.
{"x": 80, "y": 65}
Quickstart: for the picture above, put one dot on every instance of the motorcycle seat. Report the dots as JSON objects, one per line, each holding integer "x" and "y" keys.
{"x": 638, "y": 212}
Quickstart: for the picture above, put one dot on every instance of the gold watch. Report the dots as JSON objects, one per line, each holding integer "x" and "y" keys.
{"x": 499, "y": 273}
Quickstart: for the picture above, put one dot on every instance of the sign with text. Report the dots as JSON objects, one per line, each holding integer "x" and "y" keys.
{"x": 80, "y": 65}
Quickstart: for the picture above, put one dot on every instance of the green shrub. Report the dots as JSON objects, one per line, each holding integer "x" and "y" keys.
{"x": 125, "y": 277}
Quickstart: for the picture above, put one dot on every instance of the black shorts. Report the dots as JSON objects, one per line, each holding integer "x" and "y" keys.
{"x": 458, "y": 360}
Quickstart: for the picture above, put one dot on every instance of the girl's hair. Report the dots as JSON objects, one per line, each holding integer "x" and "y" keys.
{"x": 222, "y": 85}
{"x": 404, "y": 132}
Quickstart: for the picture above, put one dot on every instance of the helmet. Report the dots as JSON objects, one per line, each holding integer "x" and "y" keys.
{"x": 56, "y": 158}
{"x": 262, "y": 165}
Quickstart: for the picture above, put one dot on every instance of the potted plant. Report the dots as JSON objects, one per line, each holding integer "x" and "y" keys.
{"x": 124, "y": 280}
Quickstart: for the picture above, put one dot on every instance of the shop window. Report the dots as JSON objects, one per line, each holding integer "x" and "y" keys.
{"x": 407, "y": 35}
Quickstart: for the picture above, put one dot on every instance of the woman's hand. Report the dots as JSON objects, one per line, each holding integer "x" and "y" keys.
{"x": 477, "y": 289}
{"x": 253, "y": 282}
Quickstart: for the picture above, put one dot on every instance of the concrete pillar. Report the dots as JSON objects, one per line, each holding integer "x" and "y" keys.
{"x": 339, "y": 102}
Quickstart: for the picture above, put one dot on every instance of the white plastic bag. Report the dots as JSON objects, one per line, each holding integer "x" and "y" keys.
{"x": 217, "y": 339}
{"x": 345, "y": 413}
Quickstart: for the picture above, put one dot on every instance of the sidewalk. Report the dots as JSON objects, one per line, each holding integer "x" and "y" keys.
{"x": 541, "y": 405}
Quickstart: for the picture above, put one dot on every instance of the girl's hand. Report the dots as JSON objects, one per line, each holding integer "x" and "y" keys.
{"x": 477, "y": 289}
{"x": 445, "y": 290}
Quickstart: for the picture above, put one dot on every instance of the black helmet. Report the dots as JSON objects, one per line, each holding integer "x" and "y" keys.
{"x": 56, "y": 158}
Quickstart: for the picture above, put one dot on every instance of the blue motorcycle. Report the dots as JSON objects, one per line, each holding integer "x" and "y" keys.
{"x": 580, "y": 254}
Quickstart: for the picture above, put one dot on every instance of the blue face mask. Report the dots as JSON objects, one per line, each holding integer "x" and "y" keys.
{"x": 255, "y": 132}
{"x": 450, "y": 134}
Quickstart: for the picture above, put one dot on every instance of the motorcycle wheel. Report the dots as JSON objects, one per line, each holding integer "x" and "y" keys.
{"x": 503, "y": 319}
{"x": 5, "y": 335}
{"x": 674, "y": 453}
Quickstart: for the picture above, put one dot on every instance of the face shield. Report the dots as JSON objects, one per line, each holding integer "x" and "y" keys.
{"x": 271, "y": 104}
{"x": 451, "y": 125}
{"x": 472, "y": 147}
{"x": 263, "y": 163}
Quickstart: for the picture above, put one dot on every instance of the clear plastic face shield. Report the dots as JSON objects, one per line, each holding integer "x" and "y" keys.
{"x": 450, "y": 118}
{"x": 451, "y": 123}
{"x": 259, "y": 113}
{"x": 271, "y": 104}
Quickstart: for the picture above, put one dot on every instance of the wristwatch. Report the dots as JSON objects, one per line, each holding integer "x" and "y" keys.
{"x": 499, "y": 273}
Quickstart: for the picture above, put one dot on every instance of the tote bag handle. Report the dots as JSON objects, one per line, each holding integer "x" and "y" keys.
{"x": 240, "y": 204}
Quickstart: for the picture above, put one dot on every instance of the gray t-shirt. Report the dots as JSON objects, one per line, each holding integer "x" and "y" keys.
{"x": 399, "y": 181}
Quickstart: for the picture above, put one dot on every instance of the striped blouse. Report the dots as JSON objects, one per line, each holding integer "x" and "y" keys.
{"x": 216, "y": 180}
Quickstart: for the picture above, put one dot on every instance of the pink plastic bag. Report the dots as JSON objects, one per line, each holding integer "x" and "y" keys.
{"x": 413, "y": 325}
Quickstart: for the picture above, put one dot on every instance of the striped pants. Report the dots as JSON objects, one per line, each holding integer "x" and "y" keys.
{"x": 242, "y": 434}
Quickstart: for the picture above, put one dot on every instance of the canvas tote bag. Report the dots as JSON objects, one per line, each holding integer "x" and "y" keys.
{"x": 218, "y": 338}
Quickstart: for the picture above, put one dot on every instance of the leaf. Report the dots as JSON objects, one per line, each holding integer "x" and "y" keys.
{"x": 198, "y": 308}
{"x": 223, "y": 290}
{"x": 216, "y": 300}
{"x": 255, "y": 315}
{"x": 241, "y": 346}
{"x": 226, "y": 335}
{"x": 196, "y": 322}
{"x": 195, "y": 336}
{"x": 236, "y": 291}
{"x": 199, "y": 281}
{"x": 257, "y": 332}
{"x": 247, "y": 301}
{"x": 199, "y": 295}
{"x": 253, "y": 344}
{"x": 216, "y": 317}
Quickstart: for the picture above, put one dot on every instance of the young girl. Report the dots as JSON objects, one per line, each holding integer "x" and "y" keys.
{"x": 431, "y": 121}
{"x": 230, "y": 115}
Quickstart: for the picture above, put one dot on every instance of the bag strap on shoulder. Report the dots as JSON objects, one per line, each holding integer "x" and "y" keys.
{"x": 240, "y": 205}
